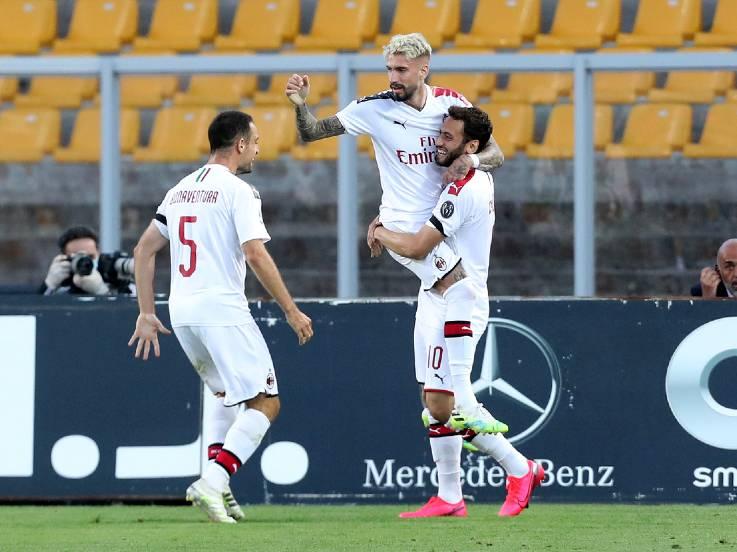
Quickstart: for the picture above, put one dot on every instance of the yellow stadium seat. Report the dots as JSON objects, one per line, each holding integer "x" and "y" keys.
{"x": 724, "y": 27}
{"x": 341, "y": 25}
{"x": 513, "y": 125}
{"x": 368, "y": 84}
{"x": 8, "y": 88}
{"x": 732, "y": 96}
{"x": 100, "y": 26}
{"x": 366, "y": 146}
{"x": 26, "y": 25}
{"x": 694, "y": 86}
{"x": 177, "y": 135}
{"x": 719, "y": 137}
{"x": 320, "y": 150}
{"x": 84, "y": 145}
{"x": 582, "y": 24}
{"x": 322, "y": 85}
{"x": 622, "y": 87}
{"x": 64, "y": 92}
{"x": 663, "y": 23}
{"x": 180, "y": 25}
{"x": 471, "y": 85}
{"x": 653, "y": 130}
{"x": 535, "y": 87}
{"x": 276, "y": 128}
{"x": 147, "y": 91}
{"x": 514, "y": 22}
{"x": 437, "y": 20}
{"x": 26, "y": 134}
{"x": 558, "y": 142}
{"x": 221, "y": 90}
{"x": 278, "y": 22}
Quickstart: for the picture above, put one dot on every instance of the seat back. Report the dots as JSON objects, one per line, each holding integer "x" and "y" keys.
{"x": 513, "y": 125}
{"x": 344, "y": 21}
{"x": 720, "y": 128}
{"x": 658, "y": 125}
{"x": 625, "y": 86}
{"x": 54, "y": 91}
{"x": 180, "y": 130}
{"x": 725, "y": 17}
{"x": 177, "y": 19}
{"x": 587, "y": 17}
{"x": 437, "y": 20}
{"x": 559, "y": 132}
{"x": 28, "y": 23}
{"x": 668, "y": 17}
{"x": 94, "y": 19}
{"x": 276, "y": 129}
{"x": 8, "y": 88}
{"x": 146, "y": 91}
{"x": 471, "y": 85}
{"x": 86, "y": 131}
{"x": 702, "y": 84}
{"x": 511, "y": 18}
{"x": 278, "y": 21}
{"x": 222, "y": 90}
{"x": 27, "y": 134}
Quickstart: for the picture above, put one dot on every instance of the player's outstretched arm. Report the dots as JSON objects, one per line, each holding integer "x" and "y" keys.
{"x": 310, "y": 128}
{"x": 264, "y": 267}
{"x": 148, "y": 325}
{"x": 490, "y": 158}
{"x": 412, "y": 246}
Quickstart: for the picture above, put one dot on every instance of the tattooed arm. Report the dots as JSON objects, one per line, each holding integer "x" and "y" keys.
{"x": 310, "y": 129}
{"x": 490, "y": 158}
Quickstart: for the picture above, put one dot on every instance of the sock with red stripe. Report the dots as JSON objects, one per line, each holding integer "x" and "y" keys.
{"x": 217, "y": 420}
{"x": 460, "y": 299}
{"x": 446, "y": 447}
{"x": 241, "y": 442}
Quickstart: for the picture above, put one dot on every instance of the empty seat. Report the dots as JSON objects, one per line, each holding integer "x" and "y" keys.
{"x": 724, "y": 27}
{"x": 719, "y": 137}
{"x": 624, "y": 86}
{"x": 653, "y": 130}
{"x": 513, "y": 125}
{"x": 558, "y": 142}
{"x": 8, "y": 88}
{"x": 220, "y": 90}
{"x": 694, "y": 86}
{"x": 147, "y": 91}
{"x": 84, "y": 145}
{"x": 663, "y": 23}
{"x": 368, "y": 84}
{"x": 100, "y": 26}
{"x": 341, "y": 25}
{"x": 437, "y": 20}
{"x": 64, "y": 92}
{"x": 278, "y": 22}
{"x": 322, "y": 85}
{"x": 276, "y": 127}
{"x": 514, "y": 22}
{"x": 26, "y": 25}
{"x": 471, "y": 85}
{"x": 535, "y": 87}
{"x": 26, "y": 134}
{"x": 320, "y": 150}
{"x": 178, "y": 134}
{"x": 180, "y": 25}
{"x": 732, "y": 96}
{"x": 582, "y": 24}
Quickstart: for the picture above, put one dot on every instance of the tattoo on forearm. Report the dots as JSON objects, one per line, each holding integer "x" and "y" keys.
{"x": 491, "y": 156}
{"x": 310, "y": 129}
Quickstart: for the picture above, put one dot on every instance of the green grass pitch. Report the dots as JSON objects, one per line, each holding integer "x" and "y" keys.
{"x": 545, "y": 527}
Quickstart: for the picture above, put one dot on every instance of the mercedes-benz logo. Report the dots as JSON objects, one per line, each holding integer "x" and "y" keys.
{"x": 532, "y": 386}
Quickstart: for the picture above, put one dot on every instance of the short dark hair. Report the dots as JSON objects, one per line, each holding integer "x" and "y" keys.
{"x": 476, "y": 124}
{"x": 76, "y": 233}
{"x": 227, "y": 128}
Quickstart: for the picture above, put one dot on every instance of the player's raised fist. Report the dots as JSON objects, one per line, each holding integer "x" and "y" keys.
{"x": 298, "y": 87}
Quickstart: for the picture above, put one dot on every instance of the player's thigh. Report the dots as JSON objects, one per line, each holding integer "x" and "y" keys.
{"x": 194, "y": 348}
{"x": 435, "y": 266}
{"x": 243, "y": 361}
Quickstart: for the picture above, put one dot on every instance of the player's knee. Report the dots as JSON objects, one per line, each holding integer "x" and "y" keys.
{"x": 439, "y": 405}
{"x": 268, "y": 405}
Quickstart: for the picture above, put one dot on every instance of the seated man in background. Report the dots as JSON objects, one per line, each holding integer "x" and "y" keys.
{"x": 721, "y": 279}
{"x": 80, "y": 269}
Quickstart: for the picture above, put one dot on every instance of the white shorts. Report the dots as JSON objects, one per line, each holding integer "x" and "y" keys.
{"x": 437, "y": 264}
{"x": 431, "y": 355}
{"x": 230, "y": 359}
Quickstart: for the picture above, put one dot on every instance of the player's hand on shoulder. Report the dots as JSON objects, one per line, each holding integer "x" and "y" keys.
{"x": 147, "y": 331}
{"x": 457, "y": 170}
{"x": 301, "y": 324}
{"x": 374, "y": 244}
{"x": 709, "y": 282}
{"x": 298, "y": 88}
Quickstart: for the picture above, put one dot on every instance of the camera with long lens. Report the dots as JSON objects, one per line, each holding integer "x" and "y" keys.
{"x": 82, "y": 264}
{"x": 116, "y": 268}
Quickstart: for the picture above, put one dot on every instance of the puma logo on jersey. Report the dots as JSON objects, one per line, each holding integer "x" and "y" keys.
{"x": 442, "y": 379}
{"x": 403, "y": 125}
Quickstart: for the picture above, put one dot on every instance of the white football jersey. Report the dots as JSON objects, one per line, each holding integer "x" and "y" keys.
{"x": 206, "y": 218}
{"x": 404, "y": 142}
{"x": 465, "y": 215}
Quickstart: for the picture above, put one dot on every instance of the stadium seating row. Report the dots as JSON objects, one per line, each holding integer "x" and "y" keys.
{"x": 180, "y": 133}
{"x": 229, "y": 90}
{"x": 97, "y": 26}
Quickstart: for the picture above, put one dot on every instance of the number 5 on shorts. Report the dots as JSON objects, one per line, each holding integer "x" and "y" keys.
{"x": 187, "y": 272}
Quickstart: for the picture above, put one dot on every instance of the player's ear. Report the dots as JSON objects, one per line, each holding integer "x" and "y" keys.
{"x": 472, "y": 146}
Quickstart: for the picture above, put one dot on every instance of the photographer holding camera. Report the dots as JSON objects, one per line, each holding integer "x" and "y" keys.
{"x": 720, "y": 280}
{"x": 81, "y": 269}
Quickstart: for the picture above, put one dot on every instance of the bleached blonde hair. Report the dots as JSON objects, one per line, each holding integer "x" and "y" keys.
{"x": 412, "y": 46}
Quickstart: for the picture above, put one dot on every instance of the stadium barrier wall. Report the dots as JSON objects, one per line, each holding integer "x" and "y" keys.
{"x": 620, "y": 400}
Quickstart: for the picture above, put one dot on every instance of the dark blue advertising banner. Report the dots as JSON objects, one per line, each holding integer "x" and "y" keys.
{"x": 619, "y": 400}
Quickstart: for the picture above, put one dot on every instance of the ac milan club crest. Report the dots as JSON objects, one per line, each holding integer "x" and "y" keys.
{"x": 440, "y": 263}
{"x": 270, "y": 380}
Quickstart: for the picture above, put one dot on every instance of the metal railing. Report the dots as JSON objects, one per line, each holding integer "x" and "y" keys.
{"x": 345, "y": 66}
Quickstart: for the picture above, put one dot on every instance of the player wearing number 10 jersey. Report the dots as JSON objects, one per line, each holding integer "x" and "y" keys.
{"x": 212, "y": 222}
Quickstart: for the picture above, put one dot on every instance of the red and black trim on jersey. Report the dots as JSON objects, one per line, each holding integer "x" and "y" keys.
{"x": 385, "y": 95}
{"x": 438, "y": 225}
{"x": 161, "y": 218}
{"x": 213, "y": 450}
{"x": 228, "y": 461}
{"x": 455, "y": 187}
{"x": 440, "y": 430}
{"x": 439, "y": 91}
{"x": 458, "y": 328}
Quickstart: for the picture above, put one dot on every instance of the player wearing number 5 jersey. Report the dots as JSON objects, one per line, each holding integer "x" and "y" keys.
{"x": 212, "y": 222}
